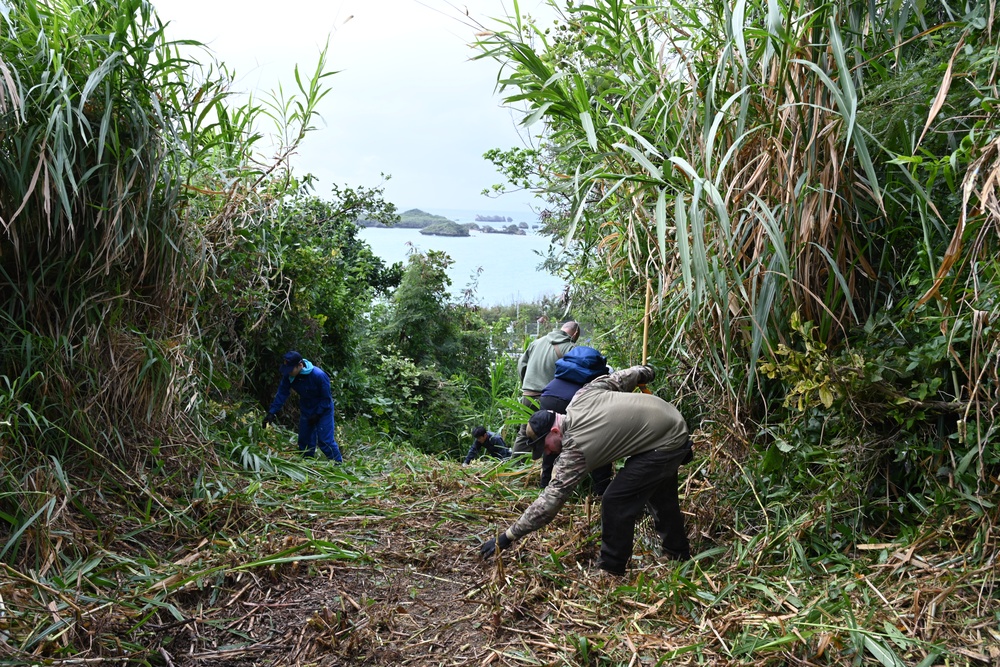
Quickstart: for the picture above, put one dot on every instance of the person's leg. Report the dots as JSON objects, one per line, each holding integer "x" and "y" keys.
{"x": 667, "y": 518}
{"x": 307, "y": 437}
{"x": 623, "y": 503}
{"x": 601, "y": 478}
{"x": 327, "y": 440}
{"x": 521, "y": 443}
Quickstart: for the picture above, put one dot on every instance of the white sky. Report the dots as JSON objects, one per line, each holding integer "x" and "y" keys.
{"x": 407, "y": 101}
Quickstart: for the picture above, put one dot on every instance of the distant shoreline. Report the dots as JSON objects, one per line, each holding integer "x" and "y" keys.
{"x": 495, "y": 232}
{"x": 502, "y": 268}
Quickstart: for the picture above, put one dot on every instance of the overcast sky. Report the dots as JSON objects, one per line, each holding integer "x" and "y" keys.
{"x": 407, "y": 100}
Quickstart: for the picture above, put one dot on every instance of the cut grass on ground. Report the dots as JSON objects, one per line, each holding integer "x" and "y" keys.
{"x": 376, "y": 563}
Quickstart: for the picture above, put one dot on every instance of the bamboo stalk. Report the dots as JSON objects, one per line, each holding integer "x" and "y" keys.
{"x": 645, "y": 322}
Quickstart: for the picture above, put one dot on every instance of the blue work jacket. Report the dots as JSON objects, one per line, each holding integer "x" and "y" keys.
{"x": 313, "y": 387}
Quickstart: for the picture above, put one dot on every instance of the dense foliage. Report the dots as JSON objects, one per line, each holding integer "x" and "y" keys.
{"x": 811, "y": 190}
{"x": 807, "y": 192}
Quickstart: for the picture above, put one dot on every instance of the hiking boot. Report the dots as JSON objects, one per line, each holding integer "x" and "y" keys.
{"x": 608, "y": 572}
{"x": 679, "y": 556}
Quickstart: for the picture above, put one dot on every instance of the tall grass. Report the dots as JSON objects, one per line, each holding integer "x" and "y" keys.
{"x": 130, "y": 177}
{"x": 128, "y": 173}
{"x": 761, "y": 163}
{"x": 97, "y": 253}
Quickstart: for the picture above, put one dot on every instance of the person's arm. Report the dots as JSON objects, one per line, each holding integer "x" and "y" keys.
{"x": 472, "y": 452}
{"x": 624, "y": 380}
{"x": 571, "y": 467}
{"x": 284, "y": 389}
{"x": 522, "y": 363}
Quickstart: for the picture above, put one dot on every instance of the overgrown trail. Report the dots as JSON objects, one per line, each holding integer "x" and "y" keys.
{"x": 386, "y": 572}
{"x": 410, "y": 588}
{"x": 377, "y": 563}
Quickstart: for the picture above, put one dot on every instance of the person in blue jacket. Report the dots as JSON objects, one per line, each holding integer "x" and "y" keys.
{"x": 575, "y": 369}
{"x": 489, "y": 441}
{"x": 315, "y": 405}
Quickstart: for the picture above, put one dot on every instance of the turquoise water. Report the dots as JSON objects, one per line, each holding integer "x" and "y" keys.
{"x": 507, "y": 265}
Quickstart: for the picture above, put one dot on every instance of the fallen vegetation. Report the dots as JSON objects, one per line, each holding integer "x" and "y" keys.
{"x": 376, "y": 563}
{"x": 820, "y": 294}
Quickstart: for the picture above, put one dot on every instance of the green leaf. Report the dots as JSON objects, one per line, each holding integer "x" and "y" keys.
{"x": 661, "y": 224}
{"x": 653, "y": 170}
{"x": 882, "y": 653}
{"x": 588, "y": 126}
{"x": 826, "y": 396}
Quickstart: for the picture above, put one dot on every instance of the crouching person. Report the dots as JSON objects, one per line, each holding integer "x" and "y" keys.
{"x": 488, "y": 442}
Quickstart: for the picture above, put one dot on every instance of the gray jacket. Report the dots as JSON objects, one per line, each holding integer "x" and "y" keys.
{"x": 537, "y": 366}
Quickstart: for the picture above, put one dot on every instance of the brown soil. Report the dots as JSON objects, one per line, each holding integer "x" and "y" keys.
{"x": 422, "y": 596}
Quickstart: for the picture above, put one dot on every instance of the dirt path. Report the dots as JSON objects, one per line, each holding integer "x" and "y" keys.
{"x": 413, "y": 601}
{"x": 415, "y": 592}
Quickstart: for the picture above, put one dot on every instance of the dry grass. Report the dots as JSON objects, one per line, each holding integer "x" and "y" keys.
{"x": 380, "y": 566}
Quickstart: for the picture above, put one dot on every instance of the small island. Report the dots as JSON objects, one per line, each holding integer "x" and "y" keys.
{"x": 438, "y": 225}
{"x": 446, "y": 228}
{"x": 509, "y": 229}
{"x": 411, "y": 219}
{"x": 493, "y": 218}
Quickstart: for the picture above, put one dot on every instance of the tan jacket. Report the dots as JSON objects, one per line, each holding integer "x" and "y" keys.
{"x": 604, "y": 422}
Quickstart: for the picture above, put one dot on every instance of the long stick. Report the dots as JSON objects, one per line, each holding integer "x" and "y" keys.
{"x": 645, "y": 322}
{"x": 645, "y": 332}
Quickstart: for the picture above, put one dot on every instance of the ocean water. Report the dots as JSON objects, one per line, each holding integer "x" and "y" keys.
{"x": 505, "y": 266}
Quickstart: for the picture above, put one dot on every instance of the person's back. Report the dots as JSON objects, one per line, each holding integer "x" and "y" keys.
{"x": 537, "y": 367}
{"x": 576, "y": 368}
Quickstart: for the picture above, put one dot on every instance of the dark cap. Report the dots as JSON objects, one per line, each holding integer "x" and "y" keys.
{"x": 292, "y": 359}
{"x": 538, "y": 427}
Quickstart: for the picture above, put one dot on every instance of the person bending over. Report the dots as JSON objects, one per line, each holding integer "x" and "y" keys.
{"x": 605, "y": 422}
{"x": 488, "y": 442}
{"x": 316, "y": 425}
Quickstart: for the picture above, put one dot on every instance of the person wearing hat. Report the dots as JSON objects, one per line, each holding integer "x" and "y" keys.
{"x": 605, "y": 422}
{"x": 316, "y": 423}
{"x": 489, "y": 441}
{"x": 537, "y": 367}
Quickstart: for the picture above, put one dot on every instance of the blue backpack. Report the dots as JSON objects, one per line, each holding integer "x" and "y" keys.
{"x": 581, "y": 365}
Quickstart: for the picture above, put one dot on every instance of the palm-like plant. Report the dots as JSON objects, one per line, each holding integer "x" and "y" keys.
{"x": 732, "y": 152}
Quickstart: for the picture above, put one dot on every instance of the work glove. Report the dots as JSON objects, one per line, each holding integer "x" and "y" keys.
{"x": 492, "y": 545}
{"x": 269, "y": 418}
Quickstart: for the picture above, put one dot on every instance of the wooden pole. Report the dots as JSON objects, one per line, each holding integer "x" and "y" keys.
{"x": 645, "y": 322}
{"x": 645, "y": 332}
